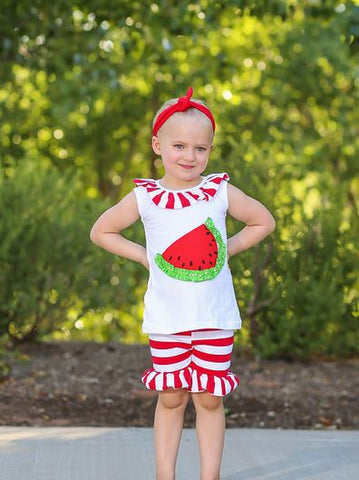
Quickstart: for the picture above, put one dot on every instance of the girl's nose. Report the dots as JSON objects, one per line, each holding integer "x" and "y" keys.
{"x": 189, "y": 155}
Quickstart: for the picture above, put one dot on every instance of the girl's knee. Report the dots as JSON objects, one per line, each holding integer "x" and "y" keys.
{"x": 173, "y": 398}
{"x": 206, "y": 401}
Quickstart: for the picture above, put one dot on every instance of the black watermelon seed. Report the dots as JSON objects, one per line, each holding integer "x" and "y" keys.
{"x": 210, "y": 244}
{"x": 208, "y": 233}
{"x": 215, "y": 253}
{"x": 183, "y": 264}
{"x": 210, "y": 262}
{"x": 191, "y": 263}
{"x": 170, "y": 258}
{"x": 179, "y": 256}
{"x": 200, "y": 268}
{"x": 210, "y": 254}
{"x": 203, "y": 261}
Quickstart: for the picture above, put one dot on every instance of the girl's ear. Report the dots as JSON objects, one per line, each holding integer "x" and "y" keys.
{"x": 156, "y": 146}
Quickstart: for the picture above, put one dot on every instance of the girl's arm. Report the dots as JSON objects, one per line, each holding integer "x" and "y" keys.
{"x": 259, "y": 221}
{"x": 106, "y": 231}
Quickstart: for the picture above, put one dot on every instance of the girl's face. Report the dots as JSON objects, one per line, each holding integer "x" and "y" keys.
{"x": 184, "y": 144}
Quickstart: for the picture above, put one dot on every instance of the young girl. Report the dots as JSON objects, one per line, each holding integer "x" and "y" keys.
{"x": 190, "y": 308}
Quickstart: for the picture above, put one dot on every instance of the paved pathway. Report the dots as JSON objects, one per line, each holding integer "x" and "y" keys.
{"x": 98, "y": 453}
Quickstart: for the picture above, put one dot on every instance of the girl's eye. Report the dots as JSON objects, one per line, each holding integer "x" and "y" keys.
{"x": 178, "y": 146}
{"x": 201, "y": 149}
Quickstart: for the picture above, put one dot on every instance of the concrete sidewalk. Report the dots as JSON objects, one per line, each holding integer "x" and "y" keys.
{"x": 97, "y": 453}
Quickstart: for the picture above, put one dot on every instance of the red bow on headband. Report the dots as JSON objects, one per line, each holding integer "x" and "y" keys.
{"x": 183, "y": 103}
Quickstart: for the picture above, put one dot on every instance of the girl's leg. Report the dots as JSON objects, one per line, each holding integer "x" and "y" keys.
{"x": 168, "y": 424}
{"x": 210, "y": 426}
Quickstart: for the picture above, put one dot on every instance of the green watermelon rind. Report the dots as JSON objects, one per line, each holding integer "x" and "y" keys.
{"x": 196, "y": 275}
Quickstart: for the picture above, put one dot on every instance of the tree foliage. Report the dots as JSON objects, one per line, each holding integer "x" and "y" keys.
{"x": 80, "y": 84}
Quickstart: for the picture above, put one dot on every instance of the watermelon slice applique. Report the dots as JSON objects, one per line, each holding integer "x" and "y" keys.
{"x": 196, "y": 256}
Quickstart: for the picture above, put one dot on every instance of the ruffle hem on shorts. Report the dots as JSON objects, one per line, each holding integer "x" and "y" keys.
{"x": 193, "y": 380}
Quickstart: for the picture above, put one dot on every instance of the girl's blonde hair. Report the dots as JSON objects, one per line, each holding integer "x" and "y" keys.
{"x": 191, "y": 112}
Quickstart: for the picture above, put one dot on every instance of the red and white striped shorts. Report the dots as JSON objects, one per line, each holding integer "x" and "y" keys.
{"x": 197, "y": 361}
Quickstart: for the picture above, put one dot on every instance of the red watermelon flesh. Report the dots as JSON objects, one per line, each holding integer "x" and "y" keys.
{"x": 197, "y": 250}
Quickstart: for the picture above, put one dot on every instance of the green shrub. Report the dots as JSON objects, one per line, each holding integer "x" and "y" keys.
{"x": 312, "y": 284}
{"x": 50, "y": 271}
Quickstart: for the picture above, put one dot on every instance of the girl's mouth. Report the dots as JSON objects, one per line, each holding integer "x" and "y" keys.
{"x": 187, "y": 167}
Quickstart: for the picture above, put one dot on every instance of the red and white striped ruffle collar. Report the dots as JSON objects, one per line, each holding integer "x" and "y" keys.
{"x": 173, "y": 199}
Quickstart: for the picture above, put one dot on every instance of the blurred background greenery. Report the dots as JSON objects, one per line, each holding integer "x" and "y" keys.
{"x": 79, "y": 84}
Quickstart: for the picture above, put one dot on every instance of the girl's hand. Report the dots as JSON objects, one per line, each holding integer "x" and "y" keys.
{"x": 259, "y": 221}
{"x": 106, "y": 231}
{"x": 145, "y": 263}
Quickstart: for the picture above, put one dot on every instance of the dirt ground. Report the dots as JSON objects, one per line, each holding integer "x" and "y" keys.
{"x": 98, "y": 384}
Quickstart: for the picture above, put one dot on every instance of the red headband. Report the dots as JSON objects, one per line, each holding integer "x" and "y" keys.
{"x": 183, "y": 103}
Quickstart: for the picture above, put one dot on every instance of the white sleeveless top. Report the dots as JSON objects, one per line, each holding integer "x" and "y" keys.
{"x": 190, "y": 284}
